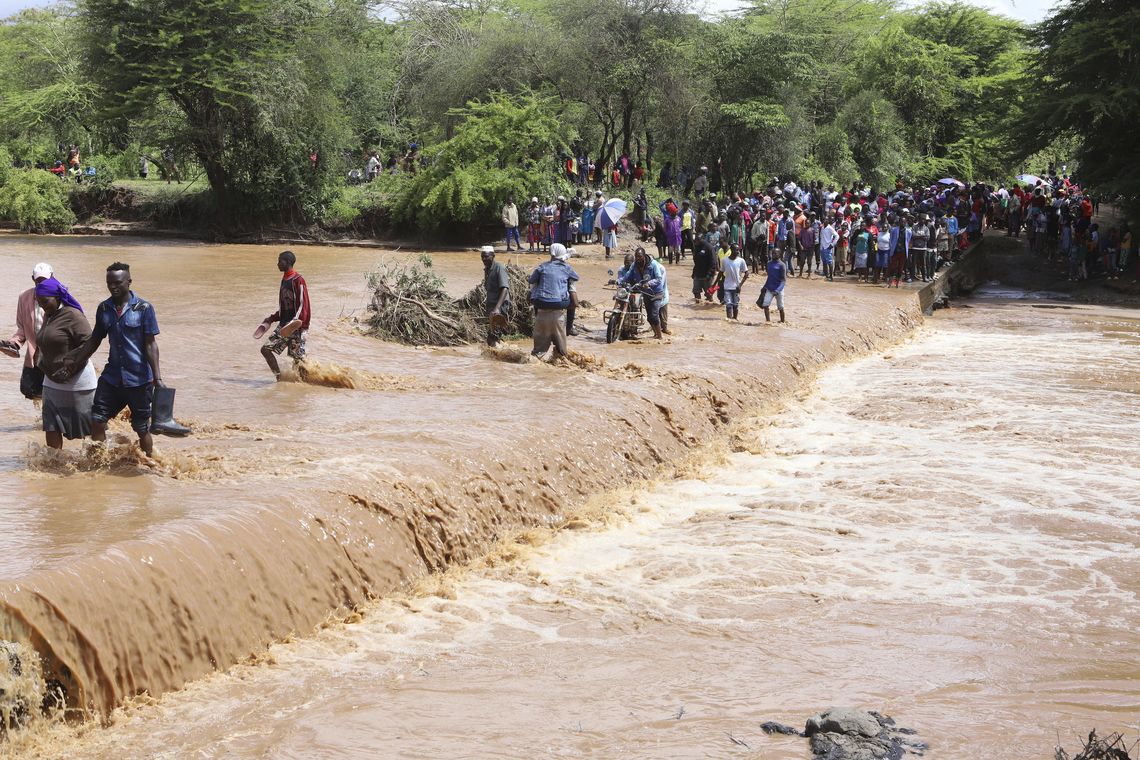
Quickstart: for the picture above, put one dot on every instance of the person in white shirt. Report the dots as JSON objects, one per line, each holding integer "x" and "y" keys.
{"x": 882, "y": 250}
{"x": 828, "y": 237}
{"x": 734, "y": 273}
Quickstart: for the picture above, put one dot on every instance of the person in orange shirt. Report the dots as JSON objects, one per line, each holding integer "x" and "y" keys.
{"x": 800, "y": 219}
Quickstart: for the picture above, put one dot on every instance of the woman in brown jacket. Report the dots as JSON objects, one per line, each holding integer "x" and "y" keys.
{"x": 67, "y": 397}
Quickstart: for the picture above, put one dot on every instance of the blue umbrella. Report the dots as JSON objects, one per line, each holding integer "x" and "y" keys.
{"x": 611, "y": 213}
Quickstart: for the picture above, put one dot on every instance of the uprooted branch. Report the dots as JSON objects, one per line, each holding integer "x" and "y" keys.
{"x": 410, "y": 305}
{"x": 1111, "y": 747}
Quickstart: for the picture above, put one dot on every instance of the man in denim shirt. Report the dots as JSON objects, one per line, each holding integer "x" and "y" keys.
{"x": 552, "y": 293}
{"x": 132, "y": 364}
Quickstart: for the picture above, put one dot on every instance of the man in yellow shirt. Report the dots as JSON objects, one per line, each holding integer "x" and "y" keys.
{"x": 688, "y": 219}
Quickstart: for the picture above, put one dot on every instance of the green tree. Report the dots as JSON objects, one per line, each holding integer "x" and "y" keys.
{"x": 505, "y": 144}
{"x": 1087, "y": 73}
{"x": 43, "y": 88}
{"x": 874, "y": 132}
{"x": 250, "y": 78}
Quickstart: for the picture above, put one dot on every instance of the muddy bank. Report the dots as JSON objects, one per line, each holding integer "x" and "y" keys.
{"x": 402, "y": 479}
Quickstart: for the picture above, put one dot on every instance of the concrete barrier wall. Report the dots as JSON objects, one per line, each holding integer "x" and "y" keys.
{"x": 962, "y": 277}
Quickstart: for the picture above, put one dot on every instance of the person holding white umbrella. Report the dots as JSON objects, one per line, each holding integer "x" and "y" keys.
{"x": 612, "y": 212}
{"x": 599, "y": 202}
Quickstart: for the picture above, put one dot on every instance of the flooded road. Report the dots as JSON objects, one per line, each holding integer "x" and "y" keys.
{"x": 292, "y": 503}
{"x": 947, "y": 533}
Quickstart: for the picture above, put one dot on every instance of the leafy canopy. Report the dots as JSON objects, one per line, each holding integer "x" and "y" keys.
{"x": 502, "y": 145}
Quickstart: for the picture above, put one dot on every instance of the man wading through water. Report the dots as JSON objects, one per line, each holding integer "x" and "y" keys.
{"x": 498, "y": 287}
{"x": 132, "y": 367}
{"x": 552, "y": 293}
{"x": 652, "y": 278}
{"x": 292, "y": 316}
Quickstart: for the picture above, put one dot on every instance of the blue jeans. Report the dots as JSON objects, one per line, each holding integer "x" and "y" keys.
{"x": 653, "y": 310}
{"x": 513, "y": 232}
{"x": 731, "y": 300}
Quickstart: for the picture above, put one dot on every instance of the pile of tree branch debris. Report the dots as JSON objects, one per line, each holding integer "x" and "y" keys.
{"x": 411, "y": 305}
{"x": 1111, "y": 747}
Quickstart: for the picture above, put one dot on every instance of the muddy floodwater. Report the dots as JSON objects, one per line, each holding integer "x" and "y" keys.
{"x": 945, "y": 530}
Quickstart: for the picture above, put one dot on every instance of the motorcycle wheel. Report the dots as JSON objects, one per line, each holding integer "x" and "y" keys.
{"x": 613, "y": 327}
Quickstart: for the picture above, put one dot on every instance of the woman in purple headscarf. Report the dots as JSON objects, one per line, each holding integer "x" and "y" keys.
{"x": 67, "y": 398}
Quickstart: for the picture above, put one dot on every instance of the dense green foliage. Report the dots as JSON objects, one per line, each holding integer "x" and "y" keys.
{"x": 1088, "y": 72}
{"x": 244, "y": 92}
{"x": 501, "y": 146}
{"x": 36, "y": 201}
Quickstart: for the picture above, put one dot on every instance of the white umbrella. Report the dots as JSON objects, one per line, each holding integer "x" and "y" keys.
{"x": 1031, "y": 179}
{"x": 611, "y": 213}
{"x": 951, "y": 181}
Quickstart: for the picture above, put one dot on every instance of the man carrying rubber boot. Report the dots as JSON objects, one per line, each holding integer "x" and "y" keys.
{"x": 132, "y": 377}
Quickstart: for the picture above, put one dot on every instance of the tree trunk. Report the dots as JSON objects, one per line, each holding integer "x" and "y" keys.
{"x": 648, "y": 152}
{"x": 626, "y": 125}
{"x": 219, "y": 181}
{"x": 601, "y": 158}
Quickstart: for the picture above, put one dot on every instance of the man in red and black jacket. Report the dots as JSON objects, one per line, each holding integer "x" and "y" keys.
{"x": 292, "y": 316}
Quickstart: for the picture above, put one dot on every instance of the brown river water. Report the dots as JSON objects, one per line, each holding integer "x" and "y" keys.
{"x": 945, "y": 530}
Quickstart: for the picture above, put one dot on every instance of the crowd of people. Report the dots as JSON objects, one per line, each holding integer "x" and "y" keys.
{"x": 1057, "y": 217}
{"x": 878, "y": 236}
{"x": 905, "y": 234}
{"x": 784, "y": 230}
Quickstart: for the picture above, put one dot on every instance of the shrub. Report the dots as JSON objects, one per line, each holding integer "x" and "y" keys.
{"x": 503, "y": 145}
{"x": 360, "y": 208}
{"x": 37, "y": 201}
{"x": 5, "y": 165}
{"x": 106, "y": 171}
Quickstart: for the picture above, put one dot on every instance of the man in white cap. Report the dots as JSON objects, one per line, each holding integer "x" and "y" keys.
{"x": 552, "y": 293}
{"x": 29, "y": 319}
{"x": 498, "y": 287}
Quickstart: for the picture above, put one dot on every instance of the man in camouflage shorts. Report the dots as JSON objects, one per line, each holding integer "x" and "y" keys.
{"x": 292, "y": 316}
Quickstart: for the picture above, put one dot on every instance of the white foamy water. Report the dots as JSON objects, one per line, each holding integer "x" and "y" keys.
{"x": 947, "y": 533}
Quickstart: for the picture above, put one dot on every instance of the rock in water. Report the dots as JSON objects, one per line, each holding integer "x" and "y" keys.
{"x": 842, "y": 733}
{"x": 831, "y": 746}
{"x": 844, "y": 720}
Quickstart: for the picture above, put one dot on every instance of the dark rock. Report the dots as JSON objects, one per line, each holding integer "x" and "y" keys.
{"x": 772, "y": 727}
{"x": 843, "y": 720}
{"x": 829, "y": 746}
{"x": 884, "y": 720}
{"x": 848, "y": 734}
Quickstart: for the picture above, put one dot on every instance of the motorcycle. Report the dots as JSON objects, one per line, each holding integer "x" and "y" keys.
{"x": 626, "y": 317}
